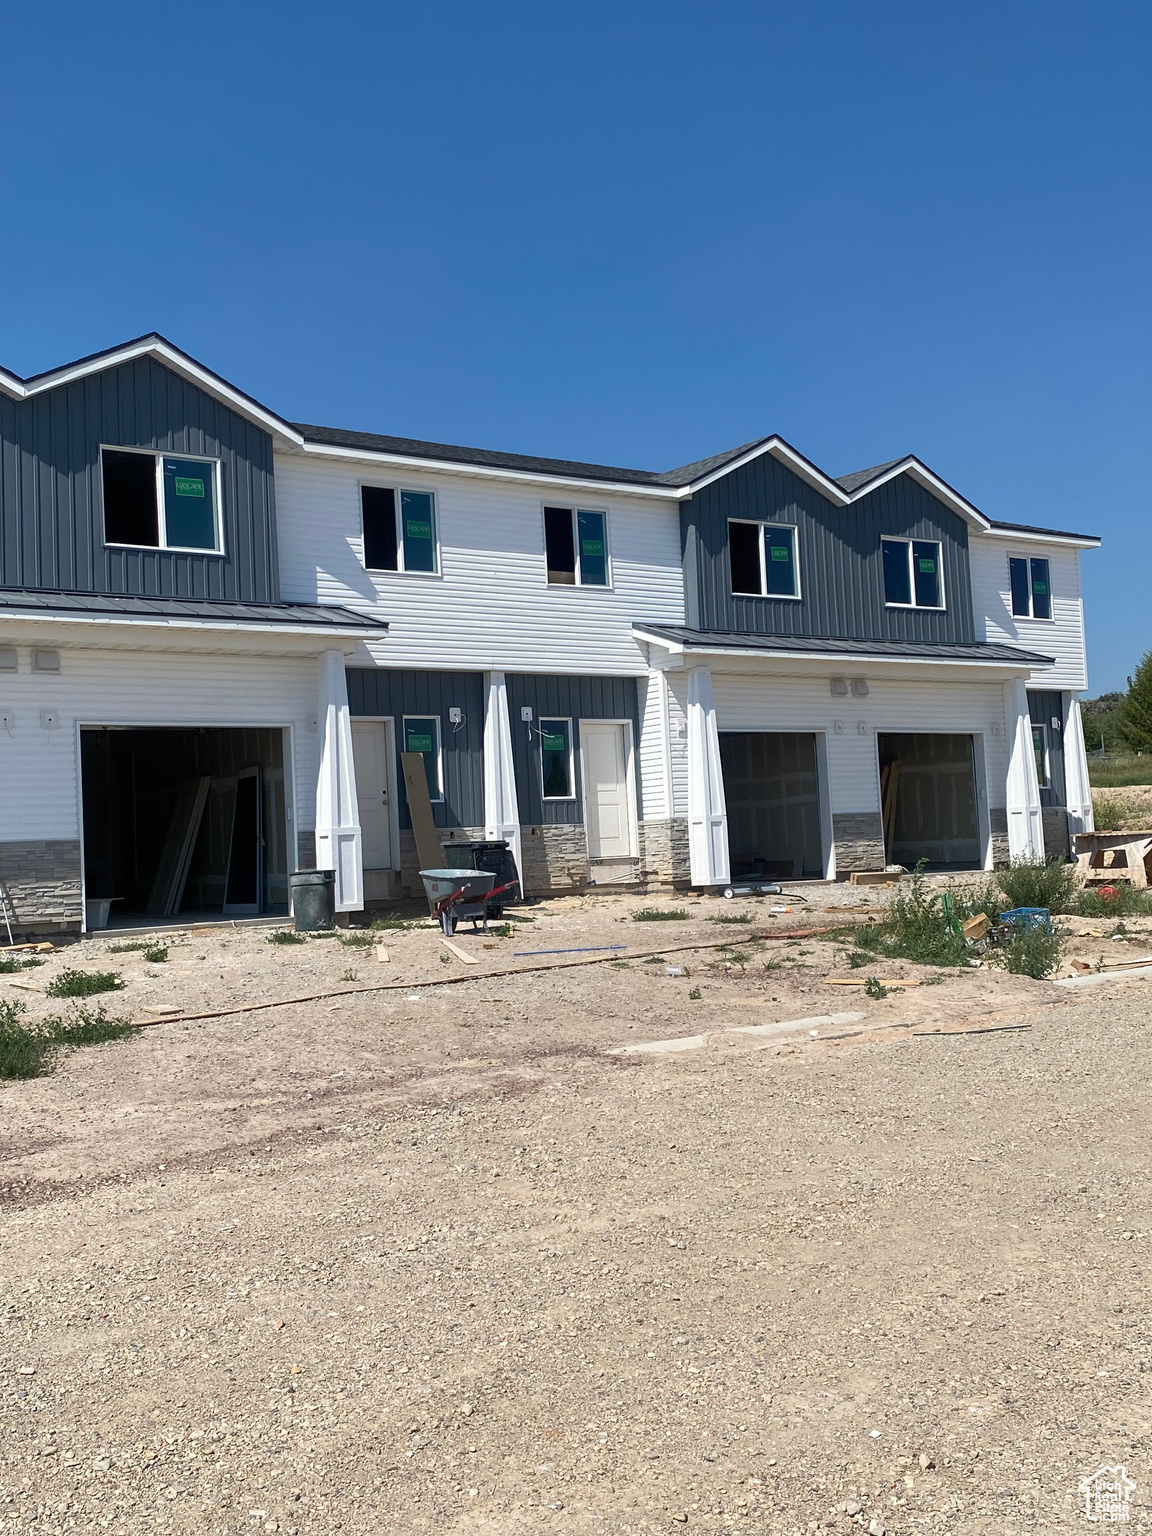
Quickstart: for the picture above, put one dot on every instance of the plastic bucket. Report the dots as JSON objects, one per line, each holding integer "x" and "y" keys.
{"x": 313, "y": 893}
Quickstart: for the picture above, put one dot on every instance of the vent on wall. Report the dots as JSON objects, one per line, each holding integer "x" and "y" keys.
{"x": 45, "y": 661}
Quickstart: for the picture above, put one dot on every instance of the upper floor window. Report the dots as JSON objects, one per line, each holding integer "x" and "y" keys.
{"x": 576, "y": 547}
{"x": 762, "y": 558}
{"x": 407, "y": 543}
{"x": 1031, "y": 589}
{"x": 913, "y": 577}
{"x": 160, "y": 501}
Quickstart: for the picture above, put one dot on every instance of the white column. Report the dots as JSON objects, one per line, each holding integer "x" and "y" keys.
{"x": 1025, "y": 823}
{"x": 1078, "y": 789}
{"x": 338, "y": 844}
{"x": 501, "y": 811}
{"x": 707, "y": 816}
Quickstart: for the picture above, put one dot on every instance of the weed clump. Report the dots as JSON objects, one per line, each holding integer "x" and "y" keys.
{"x": 286, "y": 936}
{"x": 30, "y": 1051}
{"x": 157, "y": 954}
{"x": 873, "y": 987}
{"x": 1038, "y": 883}
{"x": 71, "y": 983}
{"x": 1122, "y": 900}
{"x": 917, "y": 928}
{"x": 10, "y": 963}
{"x": 660, "y": 915}
{"x": 734, "y": 917}
{"x": 1030, "y": 952}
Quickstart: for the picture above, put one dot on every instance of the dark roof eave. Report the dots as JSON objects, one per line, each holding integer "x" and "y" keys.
{"x": 322, "y": 617}
{"x": 960, "y": 652}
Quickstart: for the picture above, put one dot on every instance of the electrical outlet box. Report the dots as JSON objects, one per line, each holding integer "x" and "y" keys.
{"x": 49, "y": 719}
{"x": 526, "y": 713}
{"x": 7, "y": 719}
{"x": 455, "y": 714}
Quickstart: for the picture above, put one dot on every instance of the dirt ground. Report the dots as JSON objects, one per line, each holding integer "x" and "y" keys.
{"x": 1128, "y": 807}
{"x": 459, "y": 1258}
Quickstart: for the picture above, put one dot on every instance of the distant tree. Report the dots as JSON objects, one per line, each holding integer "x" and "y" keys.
{"x": 1098, "y": 717}
{"x": 1134, "y": 717}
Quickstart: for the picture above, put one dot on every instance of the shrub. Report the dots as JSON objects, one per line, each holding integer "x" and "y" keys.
{"x": 916, "y": 928}
{"x": 1038, "y": 883}
{"x": 875, "y": 988}
{"x": 660, "y": 915}
{"x": 157, "y": 954}
{"x": 1121, "y": 900}
{"x": 84, "y": 983}
{"x": 286, "y": 936}
{"x": 1031, "y": 952}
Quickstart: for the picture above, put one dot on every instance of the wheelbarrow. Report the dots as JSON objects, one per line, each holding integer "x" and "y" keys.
{"x": 456, "y": 893}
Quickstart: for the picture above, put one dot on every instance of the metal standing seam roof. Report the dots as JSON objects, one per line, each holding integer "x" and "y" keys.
{"x": 313, "y": 615}
{"x": 904, "y": 650}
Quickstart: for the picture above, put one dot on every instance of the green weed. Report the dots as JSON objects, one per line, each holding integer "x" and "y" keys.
{"x": 84, "y": 983}
{"x": 874, "y": 988}
{"x": 656, "y": 960}
{"x": 30, "y": 1052}
{"x": 286, "y": 936}
{"x": 359, "y": 939}
{"x": 10, "y": 963}
{"x": 1038, "y": 883}
{"x": 157, "y": 955}
{"x": 1030, "y": 952}
{"x": 1118, "y": 772}
{"x": 735, "y": 917}
{"x": 1121, "y": 900}
{"x": 128, "y": 949}
{"x": 349, "y": 976}
{"x": 660, "y": 915}
{"x": 695, "y": 995}
{"x": 1112, "y": 812}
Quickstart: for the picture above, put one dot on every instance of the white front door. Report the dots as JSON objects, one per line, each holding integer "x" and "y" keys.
{"x": 607, "y": 797}
{"x": 372, "y": 755}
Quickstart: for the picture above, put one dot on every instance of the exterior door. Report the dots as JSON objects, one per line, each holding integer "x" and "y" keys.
{"x": 372, "y": 756}
{"x": 604, "y": 750}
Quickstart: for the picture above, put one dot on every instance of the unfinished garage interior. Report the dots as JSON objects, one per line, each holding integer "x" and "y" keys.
{"x": 183, "y": 822}
{"x": 928, "y": 800}
{"x": 772, "y": 793}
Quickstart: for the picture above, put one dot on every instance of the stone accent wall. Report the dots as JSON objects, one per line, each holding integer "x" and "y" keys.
{"x": 1055, "y": 821}
{"x": 859, "y": 841}
{"x": 998, "y": 821}
{"x": 306, "y": 850}
{"x": 555, "y": 858}
{"x": 664, "y": 852}
{"x": 43, "y": 883}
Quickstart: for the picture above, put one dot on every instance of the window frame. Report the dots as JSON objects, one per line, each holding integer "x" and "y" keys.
{"x": 914, "y": 606}
{"x": 158, "y": 455}
{"x": 558, "y": 720}
{"x": 1032, "y": 616}
{"x": 1045, "y": 778}
{"x": 398, "y": 493}
{"x": 775, "y": 597}
{"x": 577, "y": 585}
{"x": 437, "y": 799}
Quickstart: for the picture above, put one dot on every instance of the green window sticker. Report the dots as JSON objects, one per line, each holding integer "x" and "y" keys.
{"x": 419, "y": 743}
{"x": 554, "y": 743}
{"x": 186, "y": 486}
{"x": 927, "y": 566}
{"x": 416, "y": 529}
{"x": 779, "y": 552}
{"x": 591, "y": 546}
{"x": 1040, "y": 588}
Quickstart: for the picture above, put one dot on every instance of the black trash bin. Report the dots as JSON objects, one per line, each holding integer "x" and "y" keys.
{"x": 313, "y": 899}
{"x": 495, "y": 857}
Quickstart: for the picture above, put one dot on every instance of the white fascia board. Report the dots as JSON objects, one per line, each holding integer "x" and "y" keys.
{"x": 842, "y": 659}
{"x": 803, "y": 468}
{"x": 939, "y": 488}
{"x": 9, "y": 617}
{"x": 11, "y": 385}
{"x": 1030, "y": 536}
{"x": 487, "y": 471}
{"x": 178, "y": 361}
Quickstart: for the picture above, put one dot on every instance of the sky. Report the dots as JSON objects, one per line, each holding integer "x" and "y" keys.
{"x": 627, "y": 233}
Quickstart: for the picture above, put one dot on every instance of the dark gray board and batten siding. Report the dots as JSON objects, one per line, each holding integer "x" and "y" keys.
{"x": 1045, "y": 706}
{"x": 51, "y": 496}
{"x": 562, "y": 698}
{"x": 841, "y": 575}
{"x": 381, "y": 693}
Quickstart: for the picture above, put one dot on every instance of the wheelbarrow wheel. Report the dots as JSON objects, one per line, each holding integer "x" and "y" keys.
{"x": 448, "y": 923}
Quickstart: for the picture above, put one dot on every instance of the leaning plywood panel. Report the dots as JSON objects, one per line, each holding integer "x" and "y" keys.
{"x": 428, "y": 849}
{"x": 183, "y": 829}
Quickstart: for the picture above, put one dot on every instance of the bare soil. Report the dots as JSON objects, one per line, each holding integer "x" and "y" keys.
{"x": 457, "y": 1258}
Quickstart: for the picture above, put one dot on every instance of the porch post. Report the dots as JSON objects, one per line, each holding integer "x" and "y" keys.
{"x": 707, "y": 816}
{"x": 338, "y": 843}
{"x": 1078, "y": 789}
{"x": 1025, "y": 823}
{"x": 501, "y": 811}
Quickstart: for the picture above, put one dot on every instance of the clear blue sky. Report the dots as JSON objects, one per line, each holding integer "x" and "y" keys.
{"x": 630, "y": 233}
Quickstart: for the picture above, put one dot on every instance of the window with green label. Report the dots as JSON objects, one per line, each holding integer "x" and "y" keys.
{"x": 556, "y": 759}
{"x": 398, "y": 529}
{"x": 155, "y": 501}
{"x": 1031, "y": 588}
{"x": 422, "y": 734}
{"x": 576, "y": 547}
{"x": 913, "y": 574}
{"x": 762, "y": 559}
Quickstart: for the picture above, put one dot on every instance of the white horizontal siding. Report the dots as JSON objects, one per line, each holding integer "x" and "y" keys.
{"x": 745, "y": 702}
{"x": 491, "y": 606}
{"x": 39, "y": 769}
{"x": 653, "y": 757}
{"x": 1061, "y": 637}
{"x": 678, "y": 740}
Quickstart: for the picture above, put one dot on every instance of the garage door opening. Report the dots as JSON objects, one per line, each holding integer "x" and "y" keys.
{"x": 928, "y": 801}
{"x": 183, "y": 822}
{"x": 772, "y": 795}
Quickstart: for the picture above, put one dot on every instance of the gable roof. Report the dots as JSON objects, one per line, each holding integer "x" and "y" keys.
{"x": 679, "y": 483}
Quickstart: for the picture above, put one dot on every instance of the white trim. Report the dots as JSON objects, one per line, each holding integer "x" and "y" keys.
{"x": 827, "y": 658}
{"x": 1042, "y": 727}
{"x": 1032, "y": 617}
{"x": 576, "y": 585}
{"x": 160, "y": 621}
{"x": 538, "y": 730}
{"x": 899, "y": 538}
